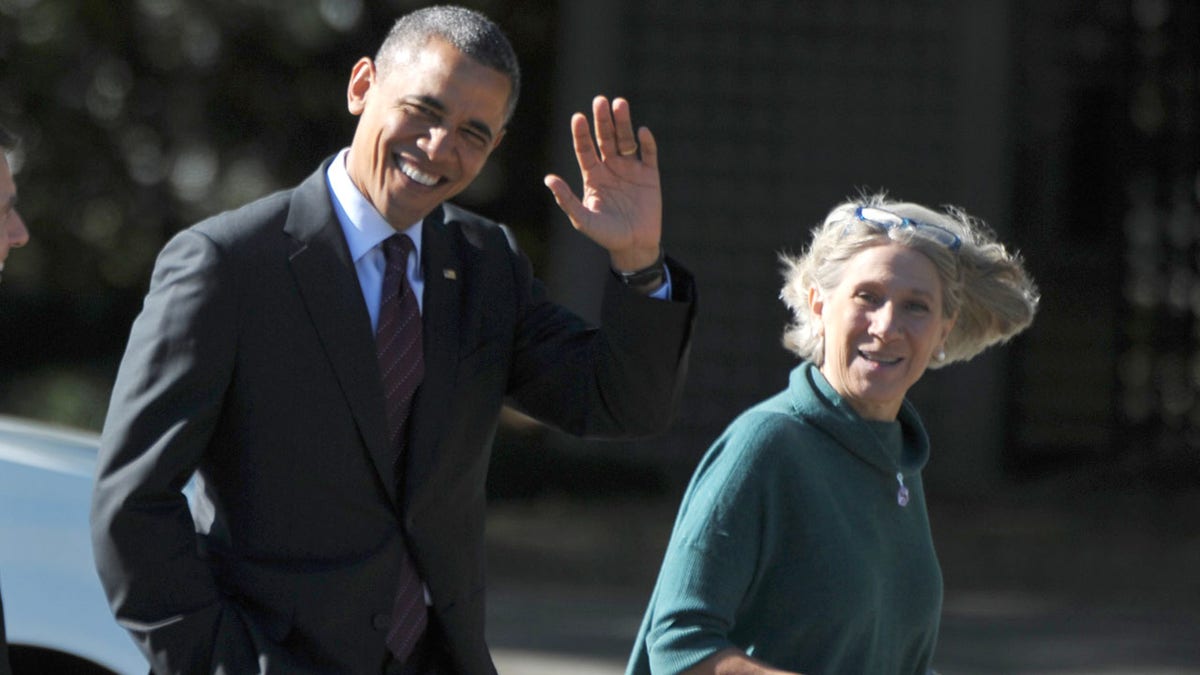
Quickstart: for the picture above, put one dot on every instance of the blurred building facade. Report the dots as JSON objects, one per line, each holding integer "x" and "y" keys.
{"x": 1071, "y": 128}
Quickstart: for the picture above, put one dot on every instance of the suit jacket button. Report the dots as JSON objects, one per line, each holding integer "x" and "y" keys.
{"x": 381, "y": 621}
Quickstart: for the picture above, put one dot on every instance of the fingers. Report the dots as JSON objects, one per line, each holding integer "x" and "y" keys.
{"x": 614, "y": 128}
{"x": 614, "y": 137}
{"x": 649, "y": 148}
{"x": 581, "y": 138}
{"x": 606, "y": 133}
{"x": 626, "y": 143}
{"x": 566, "y": 199}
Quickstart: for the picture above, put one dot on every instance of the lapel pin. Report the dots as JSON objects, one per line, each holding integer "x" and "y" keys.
{"x": 449, "y": 273}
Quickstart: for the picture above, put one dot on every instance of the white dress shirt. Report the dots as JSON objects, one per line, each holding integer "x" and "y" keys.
{"x": 365, "y": 230}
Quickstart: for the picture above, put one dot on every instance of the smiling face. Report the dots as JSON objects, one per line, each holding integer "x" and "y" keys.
{"x": 426, "y": 126}
{"x": 881, "y": 325}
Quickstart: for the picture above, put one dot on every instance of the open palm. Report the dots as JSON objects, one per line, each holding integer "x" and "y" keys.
{"x": 621, "y": 206}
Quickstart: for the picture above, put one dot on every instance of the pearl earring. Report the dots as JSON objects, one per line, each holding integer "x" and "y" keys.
{"x": 940, "y": 355}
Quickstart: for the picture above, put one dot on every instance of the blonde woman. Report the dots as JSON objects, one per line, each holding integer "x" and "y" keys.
{"x": 802, "y": 544}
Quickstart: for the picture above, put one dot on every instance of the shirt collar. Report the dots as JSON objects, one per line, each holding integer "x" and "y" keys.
{"x": 362, "y": 225}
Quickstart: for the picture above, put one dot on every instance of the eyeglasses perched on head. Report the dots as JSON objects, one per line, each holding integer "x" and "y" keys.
{"x": 887, "y": 221}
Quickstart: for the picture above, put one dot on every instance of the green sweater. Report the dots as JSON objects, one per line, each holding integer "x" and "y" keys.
{"x": 792, "y": 546}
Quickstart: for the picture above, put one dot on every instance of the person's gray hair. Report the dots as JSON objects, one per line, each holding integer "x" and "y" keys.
{"x": 468, "y": 31}
{"x": 983, "y": 284}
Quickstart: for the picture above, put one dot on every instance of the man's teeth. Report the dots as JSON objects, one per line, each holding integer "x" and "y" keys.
{"x": 426, "y": 179}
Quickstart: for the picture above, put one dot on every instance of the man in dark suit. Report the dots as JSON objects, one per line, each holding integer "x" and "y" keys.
{"x": 337, "y": 519}
{"x": 13, "y": 234}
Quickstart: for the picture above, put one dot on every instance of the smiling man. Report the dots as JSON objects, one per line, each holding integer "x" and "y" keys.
{"x": 329, "y": 364}
{"x": 429, "y": 117}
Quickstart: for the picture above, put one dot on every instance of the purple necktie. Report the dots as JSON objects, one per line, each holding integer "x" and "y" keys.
{"x": 401, "y": 365}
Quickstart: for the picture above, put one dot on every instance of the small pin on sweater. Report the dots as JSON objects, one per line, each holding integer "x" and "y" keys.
{"x": 902, "y": 493}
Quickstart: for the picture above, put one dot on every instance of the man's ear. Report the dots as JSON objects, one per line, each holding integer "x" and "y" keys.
{"x": 816, "y": 303}
{"x": 499, "y": 137}
{"x": 362, "y": 76}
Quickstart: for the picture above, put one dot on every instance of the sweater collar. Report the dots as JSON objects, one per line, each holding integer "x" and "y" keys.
{"x": 816, "y": 401}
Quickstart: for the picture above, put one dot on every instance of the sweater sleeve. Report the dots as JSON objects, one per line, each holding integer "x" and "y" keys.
{"x": 723, "y": 530}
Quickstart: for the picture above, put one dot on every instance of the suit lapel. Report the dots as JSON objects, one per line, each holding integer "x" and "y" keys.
{"x": 444, "y": 281}
{"x": 324, "y": 273}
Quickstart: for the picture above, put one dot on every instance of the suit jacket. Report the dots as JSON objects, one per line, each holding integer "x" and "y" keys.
{"x": 252, "y": 367}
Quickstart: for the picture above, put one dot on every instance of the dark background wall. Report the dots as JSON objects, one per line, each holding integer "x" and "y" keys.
{"x": 1070, "y": 127}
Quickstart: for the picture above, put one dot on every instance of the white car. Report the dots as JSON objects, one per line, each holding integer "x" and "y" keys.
{"x": 55, "y": 612}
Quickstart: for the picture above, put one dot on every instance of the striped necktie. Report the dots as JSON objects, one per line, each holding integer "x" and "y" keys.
{"x": 401, "y": 366}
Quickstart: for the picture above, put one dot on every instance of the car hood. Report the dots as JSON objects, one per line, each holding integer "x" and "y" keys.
{"x": 45, "y": 446}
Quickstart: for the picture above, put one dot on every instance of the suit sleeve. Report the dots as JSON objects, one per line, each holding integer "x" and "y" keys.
{"x": 621, "y": 379}
{"x": 165, "y": 402}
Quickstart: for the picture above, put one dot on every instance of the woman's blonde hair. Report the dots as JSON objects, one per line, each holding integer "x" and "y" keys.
{"x": 983, "y": 285}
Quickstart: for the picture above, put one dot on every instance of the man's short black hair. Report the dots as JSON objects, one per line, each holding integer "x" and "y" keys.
{"x": 466, "y": 30}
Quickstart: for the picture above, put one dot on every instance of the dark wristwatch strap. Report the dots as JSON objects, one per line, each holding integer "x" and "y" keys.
{"x": 647, "y": 279}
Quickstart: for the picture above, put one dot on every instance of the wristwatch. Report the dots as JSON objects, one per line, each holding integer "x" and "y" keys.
{"x": 646, "y": 280}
